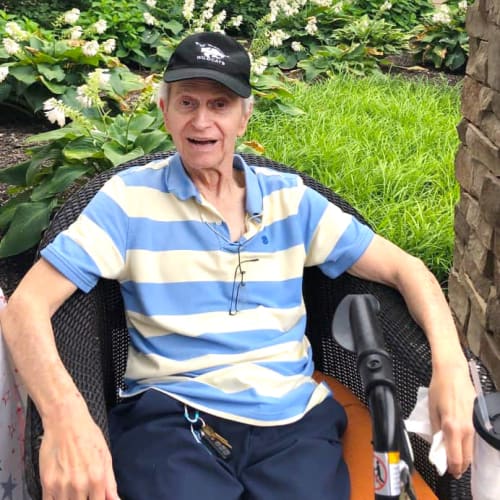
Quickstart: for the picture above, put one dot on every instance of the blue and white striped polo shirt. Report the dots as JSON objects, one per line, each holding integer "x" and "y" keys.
{"x": 181, "y": 275}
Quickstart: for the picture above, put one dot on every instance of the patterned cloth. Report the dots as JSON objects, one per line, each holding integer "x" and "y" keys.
{"x": 216, "y": 322}
{"x": 12, "y": 410}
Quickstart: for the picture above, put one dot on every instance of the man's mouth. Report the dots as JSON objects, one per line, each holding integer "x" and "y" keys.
{"x": 201, "y": 142}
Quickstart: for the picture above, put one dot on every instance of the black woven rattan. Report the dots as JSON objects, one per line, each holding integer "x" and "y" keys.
{"x": 92, "y": 338}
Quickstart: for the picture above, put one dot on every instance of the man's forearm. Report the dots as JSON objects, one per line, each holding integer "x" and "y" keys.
{"x": 28, "y": 334}
{"x": 429, "y": 308}
{"x": 27, "y": 328}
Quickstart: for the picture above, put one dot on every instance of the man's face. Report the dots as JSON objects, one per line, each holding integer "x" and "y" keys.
{"x": 204, "y": 118}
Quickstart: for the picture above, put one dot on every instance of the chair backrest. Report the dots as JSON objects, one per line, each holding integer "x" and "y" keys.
{"x": 92, "y": 338}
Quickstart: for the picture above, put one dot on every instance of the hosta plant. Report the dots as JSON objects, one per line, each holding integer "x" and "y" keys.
{"x": 92, "y": 137}
{"x": 443, "y": 41}
{"x": 36, "y": 64}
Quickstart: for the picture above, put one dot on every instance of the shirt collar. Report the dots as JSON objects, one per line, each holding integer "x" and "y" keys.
{"x": 180, "y": 184}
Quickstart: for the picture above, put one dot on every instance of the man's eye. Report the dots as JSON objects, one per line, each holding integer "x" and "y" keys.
{"x": 220, "y": 104}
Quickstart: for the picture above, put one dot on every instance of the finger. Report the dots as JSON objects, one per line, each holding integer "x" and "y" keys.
{"x": 453, "y": 445}
{"x": 467, "y": 450}
{"x": 111, "y": 486}
{"x": 96, "y": 483}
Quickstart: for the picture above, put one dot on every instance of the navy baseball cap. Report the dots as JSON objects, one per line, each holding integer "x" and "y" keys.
{"x": 214, "y": 56}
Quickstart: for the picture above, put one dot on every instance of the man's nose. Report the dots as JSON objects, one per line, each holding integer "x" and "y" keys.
{"x": 202, "y": 117}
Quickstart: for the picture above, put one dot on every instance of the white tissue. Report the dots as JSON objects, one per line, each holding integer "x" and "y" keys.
{"x": 419, "y": 422}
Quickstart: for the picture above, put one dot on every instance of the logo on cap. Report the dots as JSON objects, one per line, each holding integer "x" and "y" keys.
{"x": 211, "y": 53}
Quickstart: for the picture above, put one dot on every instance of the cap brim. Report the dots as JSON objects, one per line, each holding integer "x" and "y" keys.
{"x": 234, "y": 84}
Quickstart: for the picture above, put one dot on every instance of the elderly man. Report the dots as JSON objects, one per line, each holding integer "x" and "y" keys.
{"x": 219, "y": 400}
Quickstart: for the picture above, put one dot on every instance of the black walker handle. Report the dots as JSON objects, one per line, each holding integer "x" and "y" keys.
{"x": 356, "y": 327}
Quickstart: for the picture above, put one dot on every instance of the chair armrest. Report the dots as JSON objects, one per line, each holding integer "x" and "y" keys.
{"x": 76, "y": 328}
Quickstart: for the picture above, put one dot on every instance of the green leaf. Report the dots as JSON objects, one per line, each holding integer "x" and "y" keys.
{"x": 138, "y": 123}
{"x": 26, "y": 227}
{"x": 24, "y": 74}
{"x": 54, "y": 135}
{"x": 36, "y": 95}
{"x": 174, "y": 26}
{"x": 289, "y": 63}
{"x": 5, "y": 90}
{"x": 164, "y": 52}
{"x": 36, "y": 43}
{"x": 55, "y": 88}
{"x": 123, "y": 81}
{"x": 42, "y": 155}
{"x": 157, "y": 140}
{"x": 115, "y": 154}
{"x": 289, "y": 109}
{"x": 15, "y": 175}
{"x": 51, "y": 72}
{"x": 62, "y": 179}
{"x": 82, "y": 148}
{"x": 8, "y": 209}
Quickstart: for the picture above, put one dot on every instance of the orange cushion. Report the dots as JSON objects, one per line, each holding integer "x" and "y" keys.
{"x": 357, "y": 444}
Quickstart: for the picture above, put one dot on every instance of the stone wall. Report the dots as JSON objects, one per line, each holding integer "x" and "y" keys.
{"x": 474, "y": 282}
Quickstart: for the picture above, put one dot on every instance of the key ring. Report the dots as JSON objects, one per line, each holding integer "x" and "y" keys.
{"x": 193, "y": 420}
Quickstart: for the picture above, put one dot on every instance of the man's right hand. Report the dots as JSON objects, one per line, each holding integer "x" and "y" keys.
{"x": 75, "y": 462}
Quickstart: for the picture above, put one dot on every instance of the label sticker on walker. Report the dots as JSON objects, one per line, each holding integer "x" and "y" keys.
{"x": 386, "y": 473}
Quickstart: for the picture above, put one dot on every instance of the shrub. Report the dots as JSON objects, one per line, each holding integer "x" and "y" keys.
{"x": 36, "y": 64}
{"x": 443, "y": 41}
{"x": 42, "y": 12}
{"x": 95, "y": 139}
{"x": 141, "y": 29}
{"x": 324, "y": 39}
{"x": 405, "y": 14}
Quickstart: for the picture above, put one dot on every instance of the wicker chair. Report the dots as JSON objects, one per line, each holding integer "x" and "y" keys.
{"x": 92, "y": 338}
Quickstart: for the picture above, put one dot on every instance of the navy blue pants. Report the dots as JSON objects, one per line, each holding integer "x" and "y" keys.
{"x": 155, "y": 455}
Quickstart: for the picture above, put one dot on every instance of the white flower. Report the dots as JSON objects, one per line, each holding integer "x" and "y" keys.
{"x": 71, "y": 16}
{"x": 322, "y": 3}
{"x": 100, "y": 77}
{"x": 274, "y": 10}
{"x": 386, "y": 6}
{"x": 76, "y": 32}
{"x": 187, "y": 9}
{"x": 208, "y": 11}
{"x": 338, "y": 7}
{"x": 149, "y": 19}
{"x": 276, "y": 38}
{"x": 11, "y": 28}
{"x": 83, "y": 96}
{"x": 442, "y": 15}
{"x": 297, "y": 47}
{"x": 364, "y": 23}
{"x": 90, "y": 48}
{"x": 151, "y": 3}
{"x": 4, "y": 71}
{"x": 11, "y": 46}
{"x": 100, "y": 26}
{"x": 463, "y": 5}
{"x": 311, "y": 27}
{"x": 14, "y": 31}
{"x": 54, "y": 111}
{"x": 260, "y": 65}
{"x": 109, "y": 46}
{"x": 216, "y": 24}
{"x": 236, "y": 21}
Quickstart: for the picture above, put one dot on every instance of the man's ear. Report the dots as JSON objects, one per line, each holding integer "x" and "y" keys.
{"x": 244, "y": 122}
{"x": 163, "y": 107}
{"x": 161, "y": 103}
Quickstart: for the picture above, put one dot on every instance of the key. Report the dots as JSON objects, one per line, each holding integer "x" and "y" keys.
{"x": 215, "y": 442}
